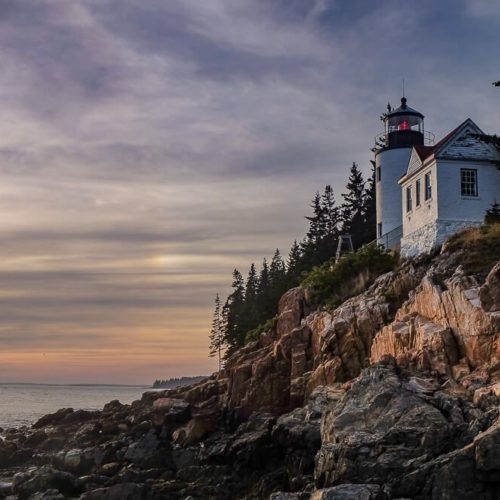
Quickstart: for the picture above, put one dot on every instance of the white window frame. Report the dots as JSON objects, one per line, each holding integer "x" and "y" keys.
{"x": 409, "y": 199}
{"x": 428, "y": 186}
{"x": 469, "y": 183}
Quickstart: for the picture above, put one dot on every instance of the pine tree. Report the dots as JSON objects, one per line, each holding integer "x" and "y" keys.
{"x": 370, "y": 209}
{"x": 352, "y": 208}
{"x": 264, "y": 307}
{"x": 277, "y": 277}
{"x": 315, "y": 233}
{"x": 250, "y": 320}
{"x": 294, "y": 265}
{"x": 217, "y": 333}
{"x": 235, "y": 303}
{"x": 493, "y": 214}
{"x": 331, "y": 215}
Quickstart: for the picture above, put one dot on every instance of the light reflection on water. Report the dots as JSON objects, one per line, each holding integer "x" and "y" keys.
{"x": 23, "y": 404}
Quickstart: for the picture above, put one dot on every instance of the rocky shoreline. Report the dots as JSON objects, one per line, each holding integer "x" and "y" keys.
{"x": 394, "y": 394}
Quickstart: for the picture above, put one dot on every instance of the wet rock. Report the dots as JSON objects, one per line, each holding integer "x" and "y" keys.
{"x": 53, "y": 418}
{"x": 39, "y": 480}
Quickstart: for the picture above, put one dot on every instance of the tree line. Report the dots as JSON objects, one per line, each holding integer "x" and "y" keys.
{"x": 253, "y": 300}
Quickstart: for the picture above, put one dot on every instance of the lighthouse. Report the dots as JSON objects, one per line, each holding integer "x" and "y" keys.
{"x": 403, "y": 129}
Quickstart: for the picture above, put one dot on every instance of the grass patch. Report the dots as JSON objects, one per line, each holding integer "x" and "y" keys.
{"x": 330, "y": 284}
{"x": 479, "y": 247}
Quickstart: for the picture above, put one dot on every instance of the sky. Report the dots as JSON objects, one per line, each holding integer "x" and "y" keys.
{"x": 148, "y": 148}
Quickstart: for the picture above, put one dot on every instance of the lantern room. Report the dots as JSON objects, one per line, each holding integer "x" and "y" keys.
{"x": 404, "y": 127}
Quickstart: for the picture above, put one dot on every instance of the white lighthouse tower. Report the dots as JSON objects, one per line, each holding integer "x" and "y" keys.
{"x": 403, "y": 129}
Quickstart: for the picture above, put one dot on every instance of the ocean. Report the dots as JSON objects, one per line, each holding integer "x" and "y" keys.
{"x": 23, "y": 404}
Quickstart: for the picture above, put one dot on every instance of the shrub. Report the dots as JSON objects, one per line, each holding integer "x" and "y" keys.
{"x": 330, "y": 284}
{"x": 255, "y": 334}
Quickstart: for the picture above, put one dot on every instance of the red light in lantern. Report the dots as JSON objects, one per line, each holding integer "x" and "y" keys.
{"x": 404, "y": 125}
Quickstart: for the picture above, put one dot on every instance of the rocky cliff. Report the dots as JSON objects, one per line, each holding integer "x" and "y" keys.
{"x": 393, "y": 394}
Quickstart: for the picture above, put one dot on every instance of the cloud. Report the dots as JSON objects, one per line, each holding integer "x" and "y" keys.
{"x": 148, "y": 148}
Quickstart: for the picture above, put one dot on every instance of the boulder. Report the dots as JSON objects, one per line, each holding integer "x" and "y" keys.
{"x": 378, "y": 431}
{"x": 349, "y": 492}
{"x": 147, "y": 452}
{"x": 194, "y": 431}
{"x": 39, "y": 480}
{"x": 170, "y": 411}
{"x": 53, "y": 418}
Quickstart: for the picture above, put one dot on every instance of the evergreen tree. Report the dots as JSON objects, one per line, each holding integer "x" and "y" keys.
{"x": 264, "y": 306}
{"x": 331, "y": 215}
{"x": 235, "y": 303}
{"x": 493, "y": 214}
{"x": 217, "y": 333}
{"x": 352, "y": 208}
{"x": 370, "y": 209}
{"x": 250, "y": 313}
{"x": 315, "y": 233}
{"x": 294, "y": 265}
{"x": 277, "y": 277}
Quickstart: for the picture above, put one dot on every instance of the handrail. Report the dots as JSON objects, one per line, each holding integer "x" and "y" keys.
{"x": 382, "y": 140}
{"x": 390, "y": 239}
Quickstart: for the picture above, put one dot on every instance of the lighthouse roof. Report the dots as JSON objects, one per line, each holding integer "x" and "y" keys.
{"x": 404, "y": 109}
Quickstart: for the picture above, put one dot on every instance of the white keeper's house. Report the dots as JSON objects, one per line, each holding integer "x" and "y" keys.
{"x": 426, "y": 192}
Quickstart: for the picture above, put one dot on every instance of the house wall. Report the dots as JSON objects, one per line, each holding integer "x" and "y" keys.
{"x": 448, "y": 211}
{"x": 452, "y": 205}
{"x": 427, "y": 212}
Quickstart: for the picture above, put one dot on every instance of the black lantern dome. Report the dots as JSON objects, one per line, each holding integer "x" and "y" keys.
{"x": 404, "y": 126}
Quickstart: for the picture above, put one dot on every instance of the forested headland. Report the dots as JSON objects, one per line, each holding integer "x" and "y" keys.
{"x": 252, "y": 305}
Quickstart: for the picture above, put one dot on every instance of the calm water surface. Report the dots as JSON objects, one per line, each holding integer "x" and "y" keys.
{"x": 23, "y": 404}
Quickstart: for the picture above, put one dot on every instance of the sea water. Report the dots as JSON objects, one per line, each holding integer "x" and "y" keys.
{"x": 23, "y": 404}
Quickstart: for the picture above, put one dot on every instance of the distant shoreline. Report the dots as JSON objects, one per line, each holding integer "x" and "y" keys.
{"x": 75, "y": 385}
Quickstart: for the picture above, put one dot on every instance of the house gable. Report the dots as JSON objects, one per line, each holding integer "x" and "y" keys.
{"x": 464, "y": 144}
{"x": 414, "y": 163}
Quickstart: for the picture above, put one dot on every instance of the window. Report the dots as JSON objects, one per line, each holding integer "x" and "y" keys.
{"x": 418, "y": 189}
{"x": 379, "y": 230}
{"x": 379, "y": 174}
{"x": 468, "y": 179}
{"x": 428, "y": 186}
{"x": 409, "y": 201}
